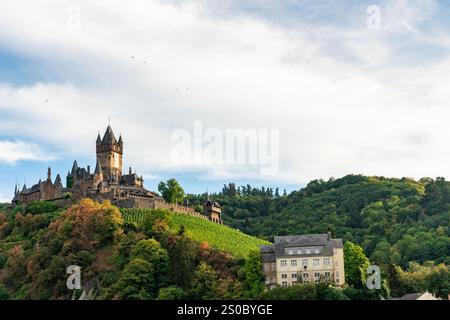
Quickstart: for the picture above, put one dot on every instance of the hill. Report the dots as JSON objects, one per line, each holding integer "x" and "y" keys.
{"x": 220, "y": 237}
{"x": 395, "y": 220}
{"x": 151, "y": 254}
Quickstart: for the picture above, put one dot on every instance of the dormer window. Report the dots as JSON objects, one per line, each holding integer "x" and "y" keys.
{"x": 308, "y": 251}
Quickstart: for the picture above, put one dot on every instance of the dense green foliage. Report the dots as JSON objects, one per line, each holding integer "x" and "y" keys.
{"x": 218, "y": 236}
{"x": 394, "y": 220}
{"x": 402, "y": 225}
{"x": 171, "y": 191}
{"x": 147, "y": 258}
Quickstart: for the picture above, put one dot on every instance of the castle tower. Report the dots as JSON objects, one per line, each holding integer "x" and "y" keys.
{"x": 109, "y": 155}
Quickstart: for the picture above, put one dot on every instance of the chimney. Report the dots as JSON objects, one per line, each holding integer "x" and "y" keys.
{"x": 129, "y": 171}
{"x": 89, "y": 169}
{"x": 329, "y": 236}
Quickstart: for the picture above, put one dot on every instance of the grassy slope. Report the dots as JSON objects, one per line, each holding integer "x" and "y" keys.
{"x": 217, "y": 236}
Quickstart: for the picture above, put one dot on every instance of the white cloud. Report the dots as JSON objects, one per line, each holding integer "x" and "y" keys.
{"x": 4, "y": 199}
{"x": 342, "y": 100}
{"x": 13, "y": 151}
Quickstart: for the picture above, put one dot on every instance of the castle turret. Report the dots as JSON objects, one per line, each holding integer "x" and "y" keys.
{"x": 49, "y": 174}
{"x": 109, "y": 154}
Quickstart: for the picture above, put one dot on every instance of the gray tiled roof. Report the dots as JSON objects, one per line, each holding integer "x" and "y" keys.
{"x": 323, "y": 242}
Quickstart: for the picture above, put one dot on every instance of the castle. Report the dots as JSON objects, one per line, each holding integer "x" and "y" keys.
{"x": 107, "y": 182}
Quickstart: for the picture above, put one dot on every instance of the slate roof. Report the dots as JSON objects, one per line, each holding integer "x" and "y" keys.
{"x": 109, "y": 137}
{"x": 323, "y": 242}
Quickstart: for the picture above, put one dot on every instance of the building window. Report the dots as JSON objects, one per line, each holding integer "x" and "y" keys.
{"x": 316, "y": 251}
{"x": 284, "y": 284}
{"x": 304, "y": 262}
{"x": 284, "y": 276}
{"x": 299, "y": 251}
{"x": 266, "y": 267}
{"x": 308, "y": 251}
{"x": 274, "y": 266}
{"x": 327, "y": 275}
{"x": 316, "y": 262}
{"x": 293, "y": 263}
{"x": 294, "y": 276}
{"x": 305, "y": 276}
{"x": 326, "y": 261}
{"x": 283, "y": 263}
{"x": 336, "y": 263}
{"x": 337, "y": 274}
{"x": 290, "y": 252}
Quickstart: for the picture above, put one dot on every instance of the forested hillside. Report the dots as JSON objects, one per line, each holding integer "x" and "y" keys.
{"x": 395, "y": 220}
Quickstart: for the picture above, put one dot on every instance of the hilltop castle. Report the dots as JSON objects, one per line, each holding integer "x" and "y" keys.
{"x": 107, "y": 182}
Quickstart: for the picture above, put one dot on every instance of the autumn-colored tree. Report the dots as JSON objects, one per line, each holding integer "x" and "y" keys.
{"x": 160, "y": 228}
{"x": 88, "y": 225}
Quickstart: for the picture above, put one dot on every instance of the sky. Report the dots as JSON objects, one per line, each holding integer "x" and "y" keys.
{"x": 360, "y": 87}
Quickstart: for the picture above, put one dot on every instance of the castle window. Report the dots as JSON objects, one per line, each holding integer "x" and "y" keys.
{"x": 326, "y": 261}
{"x": 304, "y": 262}
{"x": 283, "y": 263}
{"x": 293, "y": 263}
{"x": 316, "y": 262}
{"x": 308, "y": 251}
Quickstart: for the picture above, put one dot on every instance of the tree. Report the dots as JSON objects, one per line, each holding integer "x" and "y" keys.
{"x": 151, "y": 251}
{"x": 356, "y": 264}
{"x": 438, "y": 281}
{"x": 171, "y": 191}
{"x": 137, "y": 281}
{"x": 253, "y": 276}
{"x": 150, "y": 221}
{"x": 4, "y": 293}
{"x": 182, "y": 253}
{"x": 204, "y": 283}
{"x": 172, "y": 293}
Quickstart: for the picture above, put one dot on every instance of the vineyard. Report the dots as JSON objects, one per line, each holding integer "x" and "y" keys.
{"x": 217, "y": 236}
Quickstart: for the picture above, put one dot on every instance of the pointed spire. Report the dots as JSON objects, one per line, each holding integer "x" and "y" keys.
{"x": 74, "y": 167}
{"x": 15, "y": 189}
{"x": 58, "y": 179}
{"x": 99, "y": 140}
{"x": 49, "y": 174}
{"x": 120, "y": 142}
{"x": 24, "y": 187}
{"x": 98, "y": 168}
{"x": 109, "y": 137}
